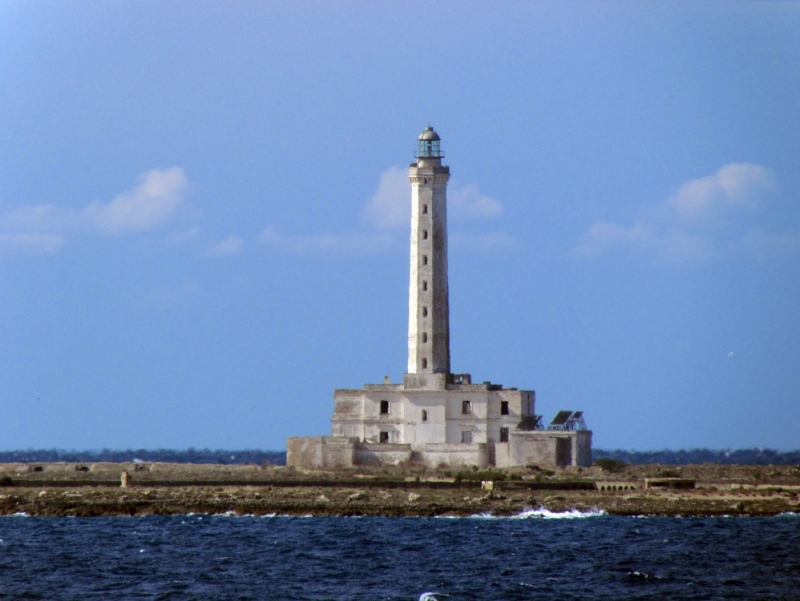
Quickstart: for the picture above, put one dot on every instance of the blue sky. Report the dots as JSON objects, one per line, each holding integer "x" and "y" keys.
{"x": 204, "y": 214}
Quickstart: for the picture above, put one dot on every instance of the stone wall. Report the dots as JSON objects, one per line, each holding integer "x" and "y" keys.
{"x": 320, "y": 452}
{"x": 382, "y": 454}
{"x": 456, "y": 455}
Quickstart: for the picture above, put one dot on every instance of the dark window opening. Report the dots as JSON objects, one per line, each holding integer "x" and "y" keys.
{"x": 424, "y": 209}
{"x": 503, "y": 434}
{"x": 466, "y": 436}
{"x": 424, "y": 415}
{"x": 424, "y": 259}
{"x": 424, "y": 311}
{"x": 384, "y": 407}
{"x": 424, "y": 234}
{"x": 424, "y": 285}
{"x": 424, "y": 337}
{"x": 424, "y": 363}
{"x": 383, "y": 437}
{"x": 503, "y": 407}
{"x": 466, "y": 407}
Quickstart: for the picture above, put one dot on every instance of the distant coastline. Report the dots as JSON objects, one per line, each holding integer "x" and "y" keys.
{"x": 754, "y": 456}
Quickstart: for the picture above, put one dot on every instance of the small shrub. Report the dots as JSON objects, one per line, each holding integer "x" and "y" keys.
{"x": 6, "y": 481}
{"x": 668, "y": 474}
{"x": 480, "y": 476}
{"x": 610, "y": 465}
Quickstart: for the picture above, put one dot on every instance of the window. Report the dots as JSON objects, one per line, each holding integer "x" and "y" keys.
{"x": 424, "y": 311}
{"x": 424, "y": 285}
{"x": 383, "y": 437}
{"x": 424, "y": 259}
{"x": 424, "y": 337}
{"x": 503, "y": 434}
{"x": 503, "y": 407}
{"x": 424, "y": 363}
{"x": 384, "y": 407}
{"x": 424, "y": 234}
{"x": 466, "y": 407}
{"x": 466, "y": 436}
{"x": 424, "y": 415}
{"x": 424, "y": 209}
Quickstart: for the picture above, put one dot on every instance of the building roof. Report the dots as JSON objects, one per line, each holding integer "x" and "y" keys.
{"x": 429, "y": 134}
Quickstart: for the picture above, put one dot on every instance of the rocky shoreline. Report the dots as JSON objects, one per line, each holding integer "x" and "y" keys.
{"x": 172, "y": 489}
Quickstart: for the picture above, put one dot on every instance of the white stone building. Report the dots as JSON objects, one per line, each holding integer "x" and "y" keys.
{"x": 436, "y": 417}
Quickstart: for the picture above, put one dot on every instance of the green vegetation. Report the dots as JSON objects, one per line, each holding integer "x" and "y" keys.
{"x": 610, "y": 465}
{"x": 482, "y": 475}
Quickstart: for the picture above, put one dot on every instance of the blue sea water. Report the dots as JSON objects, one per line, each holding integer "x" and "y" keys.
{"x": 285, "y": 558}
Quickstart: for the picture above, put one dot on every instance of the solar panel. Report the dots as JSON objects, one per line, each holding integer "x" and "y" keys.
{"x": 561, "y": 418}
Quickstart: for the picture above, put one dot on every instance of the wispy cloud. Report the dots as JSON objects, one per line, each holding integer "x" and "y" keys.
{"x": 150, "y": 204}
{"x": 31, "y": 244}
{"x": 733, "y": 187}
{"x": 706, "y": 218}
{"x": 387, "y": 213}
{"x": 467, "y": 202}
{"x": 226, "y": 248}
{"x": 390, "y": 206}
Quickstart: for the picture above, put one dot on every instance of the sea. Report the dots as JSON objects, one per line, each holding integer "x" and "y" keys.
{"x": 534, "y": 555}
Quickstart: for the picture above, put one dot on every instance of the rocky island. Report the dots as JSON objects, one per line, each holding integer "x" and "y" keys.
{"x": 68, "y": 489}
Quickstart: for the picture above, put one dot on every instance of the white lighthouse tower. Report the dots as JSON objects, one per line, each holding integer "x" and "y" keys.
{"x": 428, "y": 302}
{"x": 436, "y": 417}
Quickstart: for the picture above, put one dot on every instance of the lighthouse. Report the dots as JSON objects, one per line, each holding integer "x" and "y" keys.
{"x": 428, "y": 294}
{"x": 436, "y": 417}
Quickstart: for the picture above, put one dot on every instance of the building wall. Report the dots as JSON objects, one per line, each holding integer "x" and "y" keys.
{"x": 357, "y": 413}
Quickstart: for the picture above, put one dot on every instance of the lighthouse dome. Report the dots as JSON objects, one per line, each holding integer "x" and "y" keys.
{"x": 429, "y": 135}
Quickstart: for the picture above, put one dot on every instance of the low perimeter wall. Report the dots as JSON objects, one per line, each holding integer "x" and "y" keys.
{"x": 320, "y": 452}
{"x": 538, "y": 447}
{"x": 456, "y": 455}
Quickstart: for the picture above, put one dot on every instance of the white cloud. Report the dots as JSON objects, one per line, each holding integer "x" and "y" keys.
{"x": 467, "y": 202}
{"x": 706, "y": 218}
{"x": 31, "y": 244}
{"x": 390, "y": 209}
{"x": 226, "y": 248}
{"x": 149, "y": 205}
{"x": 390, "y": 206}
{"x": 734, "y": 186}
{"x": 350, "y": 244}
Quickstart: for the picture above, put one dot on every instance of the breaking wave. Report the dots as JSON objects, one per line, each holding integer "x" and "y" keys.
{"x": 542, "y": 513}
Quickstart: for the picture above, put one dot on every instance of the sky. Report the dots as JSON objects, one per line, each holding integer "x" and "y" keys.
{"x": 204, "y": 214}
